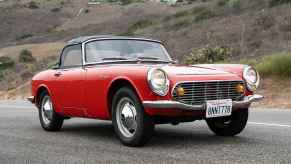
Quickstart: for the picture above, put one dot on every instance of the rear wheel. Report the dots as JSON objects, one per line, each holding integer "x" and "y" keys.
{"x": 131, "y": 124}
{"x": 229, "y": 126}
{"x": 49, "y": 119}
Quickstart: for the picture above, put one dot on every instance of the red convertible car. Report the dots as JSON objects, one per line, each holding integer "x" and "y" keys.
{"x": 135, "y": 83}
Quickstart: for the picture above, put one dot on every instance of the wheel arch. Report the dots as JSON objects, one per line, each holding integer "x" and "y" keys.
{"x": 113, "y": 88}
{"x": 40, "y": 89}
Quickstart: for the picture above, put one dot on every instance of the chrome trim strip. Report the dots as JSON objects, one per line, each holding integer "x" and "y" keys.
{"x": 169, "y": 104}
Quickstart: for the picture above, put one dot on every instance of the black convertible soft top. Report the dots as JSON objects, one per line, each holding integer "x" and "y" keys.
{"x": 82, "y": 39}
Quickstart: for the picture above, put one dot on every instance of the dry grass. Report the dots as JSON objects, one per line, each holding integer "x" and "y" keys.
{"x": 20, "y": 73}
{"x": 21, "y": 92}
{"x": 277, "y": 93}
{"x": 39, "y": 51}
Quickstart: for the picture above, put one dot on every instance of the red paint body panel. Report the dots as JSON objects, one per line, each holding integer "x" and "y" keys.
{"x": 83, "y": 91}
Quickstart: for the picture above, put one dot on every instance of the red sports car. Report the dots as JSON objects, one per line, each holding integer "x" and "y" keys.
{"x": 135, "y": 83}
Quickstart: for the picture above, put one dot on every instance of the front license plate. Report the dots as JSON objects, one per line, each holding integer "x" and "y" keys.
{"x": 218, "y": 108}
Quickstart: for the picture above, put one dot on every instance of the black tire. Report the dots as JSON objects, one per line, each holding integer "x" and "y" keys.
{"x": 229, "y": 126}
{"x": 144, "y": 124}
{"x": 55, "y": 122}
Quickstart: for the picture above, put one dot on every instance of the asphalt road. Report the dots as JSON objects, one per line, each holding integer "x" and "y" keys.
{"x": 266, "y": 139}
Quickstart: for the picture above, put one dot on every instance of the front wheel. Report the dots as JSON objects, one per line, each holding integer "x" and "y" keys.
{"x": 49, "y": 119}
{"x": 229, "y": 126}
{"x": 131, "y": 124}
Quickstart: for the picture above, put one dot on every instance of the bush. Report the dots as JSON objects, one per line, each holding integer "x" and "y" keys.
{"x": 202, "y": 14}
{"x": 127, "y": 2}
{"x": 181, "y": 23}
{"x": 56, "y": 9}
{"x": 234, "y": 4}
{"x": 181, "y": 14}
{"x": 5, "y": 63}
{"x": 221, "y": 3}
{"x": 24, "y": 36}
{"x": 138, "y": 26}
{"x": 208, "y": 55}
{"x": 32, "y": 5}
{"x": 273, "y": 3}
{"x": 25, "y": 56}
{"x": 1, "y": 76}
{"x": 276, "y": 65}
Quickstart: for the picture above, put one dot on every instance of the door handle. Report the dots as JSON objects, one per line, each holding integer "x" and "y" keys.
{"x": 58, "y": 74}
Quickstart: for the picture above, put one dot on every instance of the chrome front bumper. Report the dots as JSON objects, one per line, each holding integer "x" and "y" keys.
{"x": 169, "y": 104}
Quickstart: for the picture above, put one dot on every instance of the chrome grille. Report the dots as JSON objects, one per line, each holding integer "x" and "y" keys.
{"x": 196, "y": 93}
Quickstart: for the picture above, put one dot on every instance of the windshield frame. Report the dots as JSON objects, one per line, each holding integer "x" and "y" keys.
{"x": 122, "y": 61}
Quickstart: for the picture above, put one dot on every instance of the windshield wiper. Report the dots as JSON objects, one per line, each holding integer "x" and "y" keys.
{"x": 152, "y": 59}
{"x": 115, "y": 58}
{"x": 149, "y": 58}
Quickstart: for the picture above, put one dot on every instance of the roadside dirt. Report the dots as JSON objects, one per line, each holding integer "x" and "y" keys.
{"x": 277, "y": 93}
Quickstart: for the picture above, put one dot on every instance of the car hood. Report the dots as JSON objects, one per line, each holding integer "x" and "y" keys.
{"x": 192, "y": 70}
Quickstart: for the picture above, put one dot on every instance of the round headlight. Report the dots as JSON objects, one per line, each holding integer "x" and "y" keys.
{"x": 252, "y": 78}
{"x": 158, "y": 81}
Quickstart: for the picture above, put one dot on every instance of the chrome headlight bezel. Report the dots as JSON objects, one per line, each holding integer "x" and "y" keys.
{"x": 251, "y": 84}
{"x": 159, "y": 89}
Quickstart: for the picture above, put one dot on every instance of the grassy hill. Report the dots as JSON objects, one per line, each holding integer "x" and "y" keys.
{"x": 252, "y": 29}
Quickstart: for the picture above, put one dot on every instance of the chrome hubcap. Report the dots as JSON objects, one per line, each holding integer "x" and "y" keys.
{"x": 126, "y": 117}
{"x": 47, "y": 109}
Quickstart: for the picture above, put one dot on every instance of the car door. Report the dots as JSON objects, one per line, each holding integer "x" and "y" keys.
{"x": 70, "y": 81}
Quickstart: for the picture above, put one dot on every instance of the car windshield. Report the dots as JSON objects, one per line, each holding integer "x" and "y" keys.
{"x": 122, "y": 50}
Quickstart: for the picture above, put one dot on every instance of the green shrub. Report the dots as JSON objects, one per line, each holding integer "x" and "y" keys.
{"x": 276, "y": 65}
{"x": 1, "y": 76}
{"x": 138, "y": 26}
{"x": 202, "y": 14}
{"x": 181, "y": 13}
{"x": 250, "y": 62}
{"x": 273, "y": 3}
{"x": 56, "y": 9}
{"x": 5, "y": 63}
{"x": 32, "y": 5}
{"x": 234, "y": 4}
{"x": 24, "y": 36}
{"x": 181, "y": 23}
{"x": 208, "y": 55}
{"x": 25, "y": 56}
{"x": 221, "y": 3}
{"x": 196, "y": 14}
{"x": 127, "y": 2}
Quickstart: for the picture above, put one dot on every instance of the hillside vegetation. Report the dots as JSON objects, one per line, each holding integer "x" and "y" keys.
{"x": 256, "y": 32}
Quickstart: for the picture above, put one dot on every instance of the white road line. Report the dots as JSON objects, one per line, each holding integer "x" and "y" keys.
{"x": 270, "y": 124}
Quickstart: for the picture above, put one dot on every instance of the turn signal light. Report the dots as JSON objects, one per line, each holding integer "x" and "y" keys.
{"x": 240, "y": 88}
{"x": 180, "y": 91}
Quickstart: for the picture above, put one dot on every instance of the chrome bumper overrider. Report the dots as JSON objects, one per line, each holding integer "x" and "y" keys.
{"x": 31, "y": 99}
{"x": 169, "y": 104}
